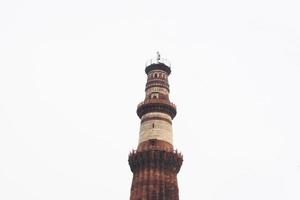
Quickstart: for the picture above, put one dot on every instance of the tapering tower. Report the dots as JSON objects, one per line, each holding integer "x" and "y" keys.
{"x": 155, "y": 164}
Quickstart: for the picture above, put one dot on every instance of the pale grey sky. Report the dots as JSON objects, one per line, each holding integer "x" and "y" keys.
{"x": 72, "y": 74}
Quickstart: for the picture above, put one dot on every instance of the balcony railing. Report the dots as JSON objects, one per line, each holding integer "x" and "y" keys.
{"x": 156, "y": 61}
{"x": 148, "y": 101}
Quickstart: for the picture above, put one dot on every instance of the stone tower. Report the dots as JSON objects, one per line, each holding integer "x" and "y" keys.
{"x": 155, "y": 164}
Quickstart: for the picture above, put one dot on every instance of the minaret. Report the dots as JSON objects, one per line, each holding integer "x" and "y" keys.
{"x": 155, "y": 164}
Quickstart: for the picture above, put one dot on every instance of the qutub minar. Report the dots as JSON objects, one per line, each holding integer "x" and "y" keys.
{"x": 155, "y": 164}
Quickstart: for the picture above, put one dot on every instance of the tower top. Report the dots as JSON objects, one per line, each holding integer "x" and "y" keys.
{"x": 158, "y": 63}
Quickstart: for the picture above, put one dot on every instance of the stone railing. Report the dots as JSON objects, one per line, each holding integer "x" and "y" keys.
{"x": 155, "y": 61}
{"x": 156, "y": 105}
{"x": 159, "y": 101}
{"x": 171, "y": 160}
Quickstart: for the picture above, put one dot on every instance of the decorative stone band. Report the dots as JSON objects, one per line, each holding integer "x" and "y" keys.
{"x": 156, "y": 105}
{"x": 157, "y": 83}
{"x": 160, "y": 90}
{"x": 157, "y": 75}
{"x": 158, "y": 66}
{"x": 156, "y": 160}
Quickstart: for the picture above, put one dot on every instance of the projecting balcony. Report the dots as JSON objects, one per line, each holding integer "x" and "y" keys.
{"x": 155, "y": 159}
{"x": 156, "y": 105}
{"x": 161, "y": 64}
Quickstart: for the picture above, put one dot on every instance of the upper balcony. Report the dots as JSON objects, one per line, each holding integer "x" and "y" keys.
{"x": 158, "y": 64}
{"x": 157, "y": 61}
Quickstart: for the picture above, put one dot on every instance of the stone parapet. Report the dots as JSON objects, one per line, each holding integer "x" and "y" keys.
{"x": 156, "y": 105}
{"x": 155, "y": 159}
{"x": 158, "y": 66}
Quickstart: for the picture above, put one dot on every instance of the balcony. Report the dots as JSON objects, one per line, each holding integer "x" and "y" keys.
{"x": 156, "y": 105}
{"x": 162, "y": 64}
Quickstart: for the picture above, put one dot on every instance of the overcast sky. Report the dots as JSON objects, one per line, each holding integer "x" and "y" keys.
{"x": 72, "y": 74}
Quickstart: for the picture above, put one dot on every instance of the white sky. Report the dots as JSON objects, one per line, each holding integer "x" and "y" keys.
{"x": 72, "y": 74}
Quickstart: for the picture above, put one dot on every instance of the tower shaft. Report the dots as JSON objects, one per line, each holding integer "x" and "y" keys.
{"x": 155, "y": 164}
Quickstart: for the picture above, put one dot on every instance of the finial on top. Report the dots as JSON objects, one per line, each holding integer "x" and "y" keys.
{"x": 158, "y": 63}
{"x": 158, "y": 57}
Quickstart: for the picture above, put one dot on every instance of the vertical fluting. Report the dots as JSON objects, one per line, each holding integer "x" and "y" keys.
{"x": 155, "y": 164}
